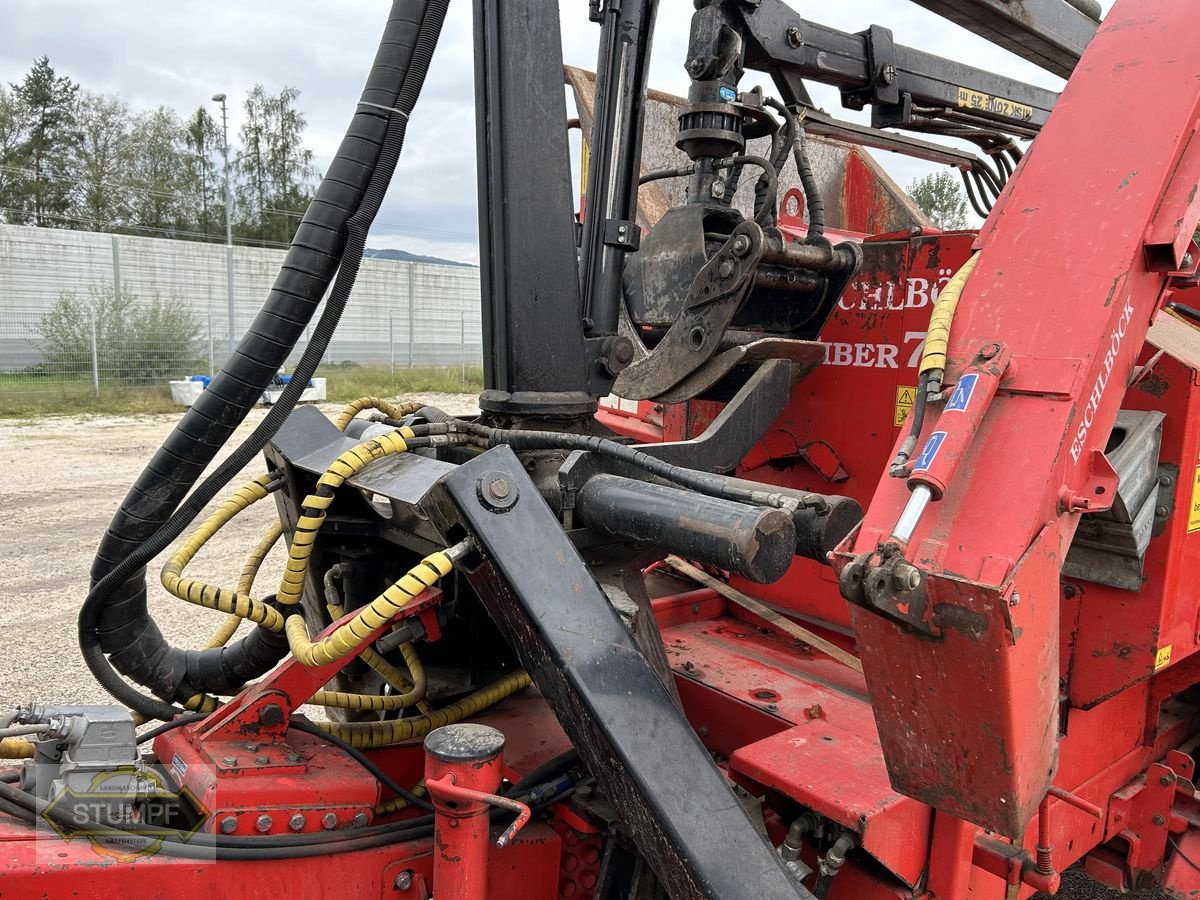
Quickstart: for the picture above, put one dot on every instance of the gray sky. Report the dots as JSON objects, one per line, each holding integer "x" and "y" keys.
{"x": 180, "y": 53}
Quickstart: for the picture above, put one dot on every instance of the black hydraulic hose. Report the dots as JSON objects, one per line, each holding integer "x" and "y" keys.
{"x": 808, "y": 181}
{"x": 114, "y": 618}
{"x": 975, "y": 204}
{"x": 547, "y": 771}
{"x": 702, "y": 482}
{"x": 899, "y": 468}
{"x": 1184, "y": 310}
{"x": 363, "y": 760}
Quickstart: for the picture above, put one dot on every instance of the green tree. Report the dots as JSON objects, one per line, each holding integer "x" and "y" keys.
{"x": 102, "y": 163}
{"x": 158, "y": 199}
{"x": 276, "y": 169}
{"x": 940, "y": 196}
{"x": 12, "y": 134}
{"x": 205, "y": 189}
{"x": 42, "y": 190}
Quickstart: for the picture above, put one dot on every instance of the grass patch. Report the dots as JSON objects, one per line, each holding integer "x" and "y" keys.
{"x": 25, "y": 395}
{"x": 349, "y": 382}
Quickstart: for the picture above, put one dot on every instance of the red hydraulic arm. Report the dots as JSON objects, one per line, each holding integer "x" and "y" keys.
{"x": 961, "y": 655}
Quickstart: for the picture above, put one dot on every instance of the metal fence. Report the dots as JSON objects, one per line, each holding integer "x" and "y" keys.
{"x": 82, "y": 312}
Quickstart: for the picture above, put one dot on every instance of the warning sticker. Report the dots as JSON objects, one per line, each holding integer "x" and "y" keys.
{"x": 976, "y": 100}
{"x": 1162, "y": 658}
{"x": 1194, "y": 515}
{"x": 905, "y": 398}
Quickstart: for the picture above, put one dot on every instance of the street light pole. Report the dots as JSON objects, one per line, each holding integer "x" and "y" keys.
{"x": 220, "y": 98}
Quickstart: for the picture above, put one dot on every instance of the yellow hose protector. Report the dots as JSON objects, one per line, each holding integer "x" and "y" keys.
{"x": 938, "y": 339}
{"x": 368, "y": 735}
{"x": 16, "y": 748}
{"x": 409, "y": 693}
{"x": 396, "y": 804}
{"x": 246, "y": 583}
{"x": 349, "y": 638}
{"x": 391, "y": 410}
{"x": 314, "y": 507}
{"x": 210, "y": 596}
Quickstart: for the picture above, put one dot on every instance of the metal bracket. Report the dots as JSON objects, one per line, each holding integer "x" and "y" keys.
{"x": 717, "y": 293}
{"x": 676, "y": 806}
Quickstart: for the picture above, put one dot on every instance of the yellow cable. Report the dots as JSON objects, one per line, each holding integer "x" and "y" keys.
{"x": 938, "y": 338}
{"x": 391, "y": 410}
{"x": 347, "y": 639}
{"x": 246, "y": 583}
{"x": 313, "y": 509}
{"x": 210, "y": 596}
{"x": 369, "y": 735}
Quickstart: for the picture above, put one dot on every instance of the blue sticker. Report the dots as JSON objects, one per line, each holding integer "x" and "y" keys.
{"x": 961, "y": 397}
{"x": 929, "y": 454}
{"x": 728, "y": 93}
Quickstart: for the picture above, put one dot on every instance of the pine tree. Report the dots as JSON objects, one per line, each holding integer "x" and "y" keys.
{"x": 42, "y": 187}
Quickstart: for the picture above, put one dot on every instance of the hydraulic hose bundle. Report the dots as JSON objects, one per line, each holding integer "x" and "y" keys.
{"x": 114, "y": 619}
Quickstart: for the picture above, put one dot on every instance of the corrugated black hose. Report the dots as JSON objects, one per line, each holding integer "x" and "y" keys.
{"x": 114, "y": 618}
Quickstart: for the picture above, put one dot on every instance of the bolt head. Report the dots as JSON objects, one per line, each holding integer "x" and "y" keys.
{"x": 1161, "y": 511}
{"x": 271, "y": 714}
{"x": 229, "y": 760}
{"x": 1166, "y": 780}
{"x": 296, "y": 822}
{"x": 726, "y": 268}
{"x": 498, "y": 488}
{"x": 990, "y": 351}
{"x": 262, "y": 759}
{"x": 252, "y": 747}
{"x": 1159, "y": 819}
{"x": 1188, "y": 260}
{"x": 741, "y": 245}
{"x": 263, "y": 824}
{"x": 889, "y": 74}
{"x": 795, "y": 37}
{"x": 404, "y": 880}
{"x": 329, "y": 821}
{"x": 228, "y": 824}
{"x": 360, "y": 820}
{"x": 1164, "y": 480}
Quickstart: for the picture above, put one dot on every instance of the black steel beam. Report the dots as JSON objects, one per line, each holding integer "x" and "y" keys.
{"x": 535, "y": 357}
{"x": 671, "y": 798}
{"x": 870, "y": 69}
{"x": 1049, "y": 33}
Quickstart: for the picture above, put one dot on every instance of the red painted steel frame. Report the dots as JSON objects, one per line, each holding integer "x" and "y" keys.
{"x": 969, "y": 720}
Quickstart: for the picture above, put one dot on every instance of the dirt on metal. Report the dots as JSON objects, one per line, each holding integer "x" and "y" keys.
{"x": 64, "y": 478}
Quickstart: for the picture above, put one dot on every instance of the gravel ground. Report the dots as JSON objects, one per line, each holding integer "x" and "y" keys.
{"x": 65, "y": 478}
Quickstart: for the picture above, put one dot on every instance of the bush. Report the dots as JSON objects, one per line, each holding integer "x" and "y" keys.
{"x": 135, "y": 343}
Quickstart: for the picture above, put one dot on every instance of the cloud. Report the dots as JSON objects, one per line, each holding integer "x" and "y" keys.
{"x": 178, "y": 54}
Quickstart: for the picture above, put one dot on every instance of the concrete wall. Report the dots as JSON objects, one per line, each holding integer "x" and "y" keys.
{"x": 38, "y": 264}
